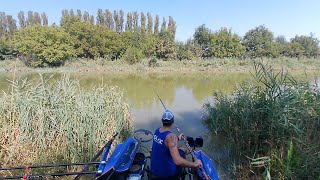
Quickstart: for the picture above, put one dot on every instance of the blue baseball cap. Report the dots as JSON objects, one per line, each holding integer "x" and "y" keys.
{"x": 167, "y": 117}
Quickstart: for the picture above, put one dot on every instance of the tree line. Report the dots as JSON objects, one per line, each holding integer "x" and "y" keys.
{"x": 114, "y": 35}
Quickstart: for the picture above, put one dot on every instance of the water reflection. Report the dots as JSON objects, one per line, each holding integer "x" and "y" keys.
{"x": 183, "y": 94}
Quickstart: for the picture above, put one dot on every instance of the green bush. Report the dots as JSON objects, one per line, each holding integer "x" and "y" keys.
{"x": 133, "y": 55}
{"x": 153, "y": 62}
{"x": 6, "y": 52}
{"x": 48, "y": 46}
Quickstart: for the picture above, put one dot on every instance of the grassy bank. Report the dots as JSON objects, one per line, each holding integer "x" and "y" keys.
{"x": 57, "y": 121}
{"x": 271, "y": 125}
{"x": 160, "y": 66}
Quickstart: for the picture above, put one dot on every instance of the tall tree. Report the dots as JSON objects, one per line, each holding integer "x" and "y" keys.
{"x": 164, "y": 25}
{"x": 121, "y": 20}
{"x": 72, "y": 15}
{"x": 22, "y": 19}
{"x": 12, "y": 24}
{"x": 143, "y": 22}
{"x": 30, "y": 20}
{"x": 3, "y": 24}
{"x": 65, "y": 18}
{"x": 202, "y": 36}
{"x": 129, "y": 22}
{"x": 92, "y": 20}
{"x": 172, "y": 26}
{"x": 135, "y": 21}
{"x": 44, "y": 19}
{"x": 116, "y": 20}
{"x": 156, "y": 25}
{"x": 79, "y": 15}
{"x": 65, "y": 13}
{"x": 100, "y": 18}
{"x": 37, "y": 18}
{"x": 86, "y": 17}
{"x": 109, "y": 20}
{"x": 150, "y": 23}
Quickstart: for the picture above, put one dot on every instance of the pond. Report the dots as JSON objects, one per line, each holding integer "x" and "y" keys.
{"x": 183, "y": 94}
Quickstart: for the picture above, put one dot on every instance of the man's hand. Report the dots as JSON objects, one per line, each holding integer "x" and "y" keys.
{"x": 198, "y": 163}
{"x": 180, "y": 137}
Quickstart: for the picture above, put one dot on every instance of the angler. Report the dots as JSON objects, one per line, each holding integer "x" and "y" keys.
{"x": 167, "y": 159}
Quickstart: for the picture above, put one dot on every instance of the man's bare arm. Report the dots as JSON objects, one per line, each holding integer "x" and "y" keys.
{"x": 172, "y": 144}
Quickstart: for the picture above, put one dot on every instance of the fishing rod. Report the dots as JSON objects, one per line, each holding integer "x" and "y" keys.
{"x": 192, "y": 154}
{"x": 97, "y": 155}
{"x": 34, "y": 176}
{"x": 160, "y": 100}
{"x": 186, "y": 143}
{"x": 224, "y": 167}
{"x": 48, "y": 165}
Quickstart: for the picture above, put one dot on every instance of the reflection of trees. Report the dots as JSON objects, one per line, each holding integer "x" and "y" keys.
{"x": 138, "y": 88}
{"x": 224, "y": 82}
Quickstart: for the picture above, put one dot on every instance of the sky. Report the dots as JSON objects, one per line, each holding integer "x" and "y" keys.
{"x": 282, "y": 17}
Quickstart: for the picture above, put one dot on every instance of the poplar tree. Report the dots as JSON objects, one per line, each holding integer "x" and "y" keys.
{"x": 86, "y": 17}
{"x": 11, "y": 24}
{"x": 37, "y": 18}
{"x": 143, "y": 22}
{"x": 129, "y": 22}
{"x": 3, "y": 24}
{"x": 65, "y": 19}
{"x": 100, "y": 18}
{"x": 44, "y": 19}
{"x": 22, "y": 19}
{"x": 135, "y": 21}
{"x": 116, "y": 20}
{"x": 30, "y": 18}
{"x": 109, "y": 20}
{"x": 172, "y": 26}
{"x": 164, "y": 25}
{"x": 121, "y": 21}
{"x": 65, "y": 13}
{"x": 156, "y": 25}
{"x": 79, "y": 15}
{"x": 150, "y": 23}
{"x": 92, "y": 20}
{"x": 72, "y": 15}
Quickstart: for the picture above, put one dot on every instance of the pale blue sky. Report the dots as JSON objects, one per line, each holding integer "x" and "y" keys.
{"x": 283, "y": 17}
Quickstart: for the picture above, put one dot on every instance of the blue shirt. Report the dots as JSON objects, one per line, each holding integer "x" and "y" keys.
{"x": 162, "y": 164}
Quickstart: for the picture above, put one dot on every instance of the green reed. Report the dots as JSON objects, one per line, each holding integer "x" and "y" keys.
{"x": 55, "y": 121}
{"x": 272, "y": 125}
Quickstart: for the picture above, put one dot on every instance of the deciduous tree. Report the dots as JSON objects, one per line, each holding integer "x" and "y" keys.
{"x": 156, "y": 25}
{"x": 259, "y": 42}
{"x": 150, "y": 23}
{"x": 22, "y": 19}
{"x": 44, "y": 19}
{"x": 129, "y": 22}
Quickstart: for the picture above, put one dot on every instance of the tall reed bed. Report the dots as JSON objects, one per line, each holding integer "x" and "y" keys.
{"x": 272, "y": 125}
{"x": 57, "y": 121}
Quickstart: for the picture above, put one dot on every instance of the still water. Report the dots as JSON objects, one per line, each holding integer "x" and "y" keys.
{"x": 183, "y": 94}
